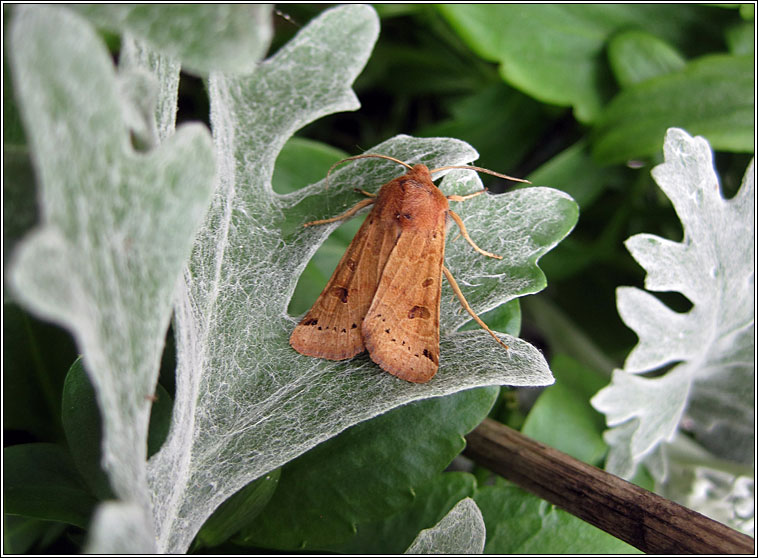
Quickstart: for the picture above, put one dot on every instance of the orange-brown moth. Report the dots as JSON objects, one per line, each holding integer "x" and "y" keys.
{"x": 384, "y": 295}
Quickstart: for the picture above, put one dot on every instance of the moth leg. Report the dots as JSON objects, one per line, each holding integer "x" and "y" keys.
{"x": 365, "y": 193}
{"x": 465, "y": 305}
{"x": 457, "y": 198}
{"x": 349, "y": 213}
{"x": 459, "y": 222}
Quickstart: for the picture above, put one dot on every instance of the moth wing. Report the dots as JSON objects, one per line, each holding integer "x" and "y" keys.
{"x": 401, "y": 329}
{"x": 332, "y": 327}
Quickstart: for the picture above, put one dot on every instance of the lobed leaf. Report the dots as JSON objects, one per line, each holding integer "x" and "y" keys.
{"x": 521, "y": 226}
{"x": 116, "y": 226}
{"x": 461, "y": 531}
{"x": 203, "y": 37}
{"x": 237, "y": 394}
{"x": 120, "y": 528}
{"x": 246, "y": 402}
{"x": 712, "y": 343}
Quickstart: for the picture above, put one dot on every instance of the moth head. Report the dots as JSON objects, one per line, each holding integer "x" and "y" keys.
{"x": 419, "y": 168}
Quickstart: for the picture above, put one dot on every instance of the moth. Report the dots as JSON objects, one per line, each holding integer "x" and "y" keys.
{"x": 384, "y": 295}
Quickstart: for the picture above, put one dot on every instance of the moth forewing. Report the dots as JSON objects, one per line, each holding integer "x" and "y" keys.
{"x": 332, "y": 327}
{"x": 402, "y": 328}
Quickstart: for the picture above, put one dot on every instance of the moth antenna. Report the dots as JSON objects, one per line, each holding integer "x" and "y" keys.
{"x": 485, "y": 171}
{"x": 364, "y": 156}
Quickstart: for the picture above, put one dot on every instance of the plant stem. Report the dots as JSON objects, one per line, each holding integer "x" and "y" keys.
{"x": 645, "y": 520}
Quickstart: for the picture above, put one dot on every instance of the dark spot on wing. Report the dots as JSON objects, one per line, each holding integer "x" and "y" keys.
{"x": 340, "y": 293}
{"x": 420, "y": 312}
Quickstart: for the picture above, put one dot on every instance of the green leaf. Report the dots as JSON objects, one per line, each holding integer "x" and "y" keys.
{"x": 36, "y": 355}
{"x": 709, "y": 389}
{"x": 712, "y": 96}
{"x": 562, "y": 416}
{"x": 519, "y": 523}
{"x": 461, "y": 531}
{"x": 41, "y": 481}
{"x": 367, "y": 473}
{"x": 638, "y": 55}
{"x": 81, "y": 422}
{"x": 394, "y": 534}
{"x": 301, "y": 162}
{"x": 204, "y": 37}
{"x": 24, "y": 535}
{"x": 239, "y": 510}
{"x": 545, "y": 51}
{"x": 83, "y": 427}
{"x": 117, "y": 224}
{"x": 554, "y": 52}
{"x": 741, "y": 38}
{"x": 563, "y": 170}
